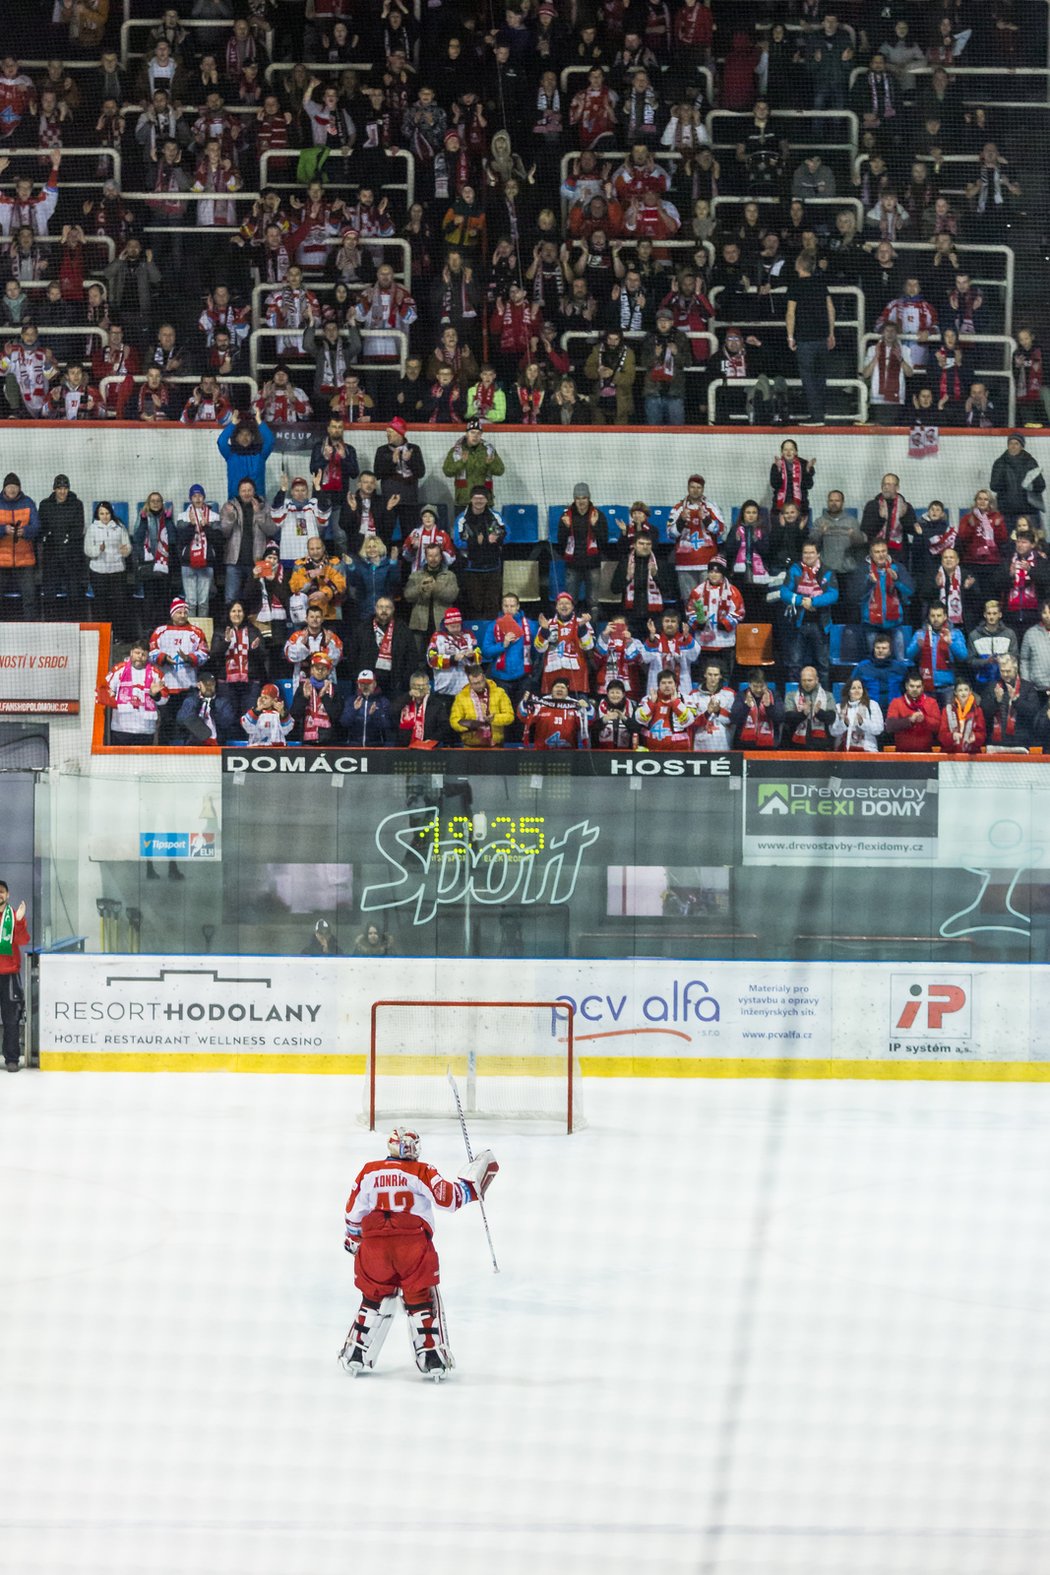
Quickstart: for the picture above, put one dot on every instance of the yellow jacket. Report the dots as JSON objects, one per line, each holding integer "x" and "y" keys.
{"x": 501, "y": 716}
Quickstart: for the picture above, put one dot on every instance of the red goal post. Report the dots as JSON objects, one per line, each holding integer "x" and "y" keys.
{"x": 515, "y": 1060}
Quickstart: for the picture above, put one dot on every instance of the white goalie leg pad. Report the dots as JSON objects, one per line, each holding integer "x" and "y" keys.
{"x": 367, "y": 1333}
{"x": 430, "y": 1337}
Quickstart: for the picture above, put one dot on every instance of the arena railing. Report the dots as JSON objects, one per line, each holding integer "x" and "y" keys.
{"x": 67, "y": 65}
{"x": 104, "y": 242}
{"x": 257, "y": 335}
{"x": 677, "y": 244}
{"x": 614, "y": 158}
{"x": 142, "y": 23}
{"x": 745, "y": 118}
{"x": 967, "y": 249}
{"x": 637, "y": 336}
{"x": 106, "y": 383}
{"x": 262, "y": 292}
{"x": 839, "y": 204}
{"x": 408, "y": 185}
{"x": 1001, "y": 374}
{"x": 857, "y": 384}
{"x": 316, "y": 67}
{"x": 582, "y": 71}
{"x": 954, "y": 71}
{"x": 70, "y": 153}
{"x": 835, "y": 290}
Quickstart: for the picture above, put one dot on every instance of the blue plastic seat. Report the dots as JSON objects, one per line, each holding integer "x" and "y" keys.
{"x": 522, "y": 521}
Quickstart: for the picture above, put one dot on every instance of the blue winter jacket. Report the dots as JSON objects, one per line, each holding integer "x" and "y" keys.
{"x": 247, "y": 464}
{"x": 792, "y": 600}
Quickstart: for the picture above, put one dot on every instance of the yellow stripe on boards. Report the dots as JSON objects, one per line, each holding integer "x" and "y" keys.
{"x": 942, "y": 1071}
{"x": 197, "y": 1061}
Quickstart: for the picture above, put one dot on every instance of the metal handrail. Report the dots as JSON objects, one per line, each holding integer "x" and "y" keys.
{"x": 584, "y": 70}
{"x": 793, "y": 114}
{"x": 45, "y": 284}
{"x": 775, "y": 322}
{"x": 126, "y": 26}
{"x": 978, "y": 372}
{"x": 408, "y": 185}
{"x": 1006, "y": 283}
{"x": 970, "y": 71}
{"x": 182, "y": 377}
{"x": 69, "y": 153}
{"x": 258, "y": 334}
{"x": 74, "y": 331}
{"x": 593, "y": 336}
{"x": 619, "y": 243}
{"x": 316, "y": 66}
{"x": 318, "y": 286}
{"x": 89, "y": 240}
{"x": 808, "y": 202}
{"x": 792, "y": 382}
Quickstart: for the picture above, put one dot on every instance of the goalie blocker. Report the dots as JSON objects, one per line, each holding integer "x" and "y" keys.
{"x": 389, "y": 1231}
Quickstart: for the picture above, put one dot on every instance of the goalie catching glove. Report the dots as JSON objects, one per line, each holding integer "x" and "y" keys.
{"x": 480, "y": 1172}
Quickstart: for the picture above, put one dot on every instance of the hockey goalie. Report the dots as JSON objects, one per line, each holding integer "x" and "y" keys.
{"x": 390, "y": 1231}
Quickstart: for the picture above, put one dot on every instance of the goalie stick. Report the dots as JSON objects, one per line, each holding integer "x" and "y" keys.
{"x": 470, "y": 1160}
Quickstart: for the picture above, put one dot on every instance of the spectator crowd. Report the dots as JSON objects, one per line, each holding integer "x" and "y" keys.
{"x": 528, "y": 215}
{"x": 354, "y": 614}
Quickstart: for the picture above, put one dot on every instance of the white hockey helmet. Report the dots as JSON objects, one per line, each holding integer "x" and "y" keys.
{"x": 403, "y": 1143}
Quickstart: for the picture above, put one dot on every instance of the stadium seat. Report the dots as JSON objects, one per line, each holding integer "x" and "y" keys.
{"x": 522, "y": 579}
{"x": 522, "y": 521}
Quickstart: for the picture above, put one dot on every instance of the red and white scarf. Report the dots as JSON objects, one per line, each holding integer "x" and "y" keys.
{"x": 591, "y": 547}
{"x": 811, "y": 710}
{"x": 758, "y": 724}
{"x": 884, "y": 603}
{"x": 384, "y": 645}
{"x": 789, "y": 485}
{"x": 413, "y": 721}
{"x": 654, "y": 595}
{"x": 530, "y": 402}
{"x": 809, "y": 580}
{"x": 951, "y": 587}
{"x": 484, "y": 398}
{"x": 237, "y": 645}
{"x": 316, "y": 721}
{"x": 1004, "y": 721}
{"x": 936, "y": 661}
{"x": 888, "y": 380}
{"x": 483, "y": 734}
{"x": 1022, "y": 596}
{"x": 721, "y": 607}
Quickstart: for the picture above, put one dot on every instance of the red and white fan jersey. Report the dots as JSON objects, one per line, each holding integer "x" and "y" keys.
{"x": 448, "y": 656}
{"x": 717, "y": 609}
{"x": 698, "y": 530}
{"x": 711, "y": 732}
{"x": 288, "y": 308}
{"x": 280, "y": 406}
{"x": 33, "y": 370}
{"x": 403, "y": 1186}
{"x": 178, "y": 650}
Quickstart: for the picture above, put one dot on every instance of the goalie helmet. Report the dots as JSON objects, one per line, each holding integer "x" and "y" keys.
{"x": 403, "y": 1143}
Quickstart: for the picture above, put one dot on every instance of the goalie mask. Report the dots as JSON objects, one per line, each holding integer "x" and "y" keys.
{"x": 403, "y": 1143}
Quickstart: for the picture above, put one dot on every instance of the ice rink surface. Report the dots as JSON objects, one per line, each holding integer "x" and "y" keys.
{"x": 761, "y": 1327}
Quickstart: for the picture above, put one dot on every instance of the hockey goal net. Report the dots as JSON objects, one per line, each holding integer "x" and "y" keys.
{"x": 512, "y": 1060}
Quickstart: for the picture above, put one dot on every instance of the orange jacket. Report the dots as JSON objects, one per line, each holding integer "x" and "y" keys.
{"x": 19, "y": 527}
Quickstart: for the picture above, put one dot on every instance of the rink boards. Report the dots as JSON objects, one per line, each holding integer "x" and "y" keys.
{"x": 638, "y": 1018}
